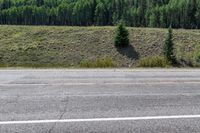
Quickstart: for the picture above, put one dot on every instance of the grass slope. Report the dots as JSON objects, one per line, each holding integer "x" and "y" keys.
{"x": 49, "y": 46}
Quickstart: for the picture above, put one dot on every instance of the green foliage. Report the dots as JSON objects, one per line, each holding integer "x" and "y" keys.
{"x": 122, "y": 35}
{"x": 137, "y": 13}
{"x": 154, "y": 61}
{"x": 98, "y": 63}
{"x": 168, "y": 49}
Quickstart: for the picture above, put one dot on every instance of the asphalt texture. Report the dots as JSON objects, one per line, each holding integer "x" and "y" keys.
{"x": 60, "y": 94}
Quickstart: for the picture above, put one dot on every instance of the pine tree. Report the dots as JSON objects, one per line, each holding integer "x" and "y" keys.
{"x": 122, "y": 35}
{"x": 192, "y": 9}
{"x": 168, "y": 49}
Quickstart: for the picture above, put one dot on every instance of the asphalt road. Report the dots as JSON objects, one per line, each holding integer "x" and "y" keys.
{"x": 45, "y": 101}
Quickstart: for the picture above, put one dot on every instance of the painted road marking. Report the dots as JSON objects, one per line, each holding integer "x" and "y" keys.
{"x": 103, "y": 83}
{"x": 100, "y": 119}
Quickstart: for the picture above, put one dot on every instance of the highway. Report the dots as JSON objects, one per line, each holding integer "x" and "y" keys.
{"x": 99, "y": 100}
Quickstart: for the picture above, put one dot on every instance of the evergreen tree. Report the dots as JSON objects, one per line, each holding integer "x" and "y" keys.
{"x": 192, "y": 9}
{"x": 122, "y": 35}
{"x": 137, "y": 13}
{"x": 168, "y": 49}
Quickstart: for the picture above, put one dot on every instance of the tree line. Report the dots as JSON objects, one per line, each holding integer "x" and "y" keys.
{"x": 137, "y": 13}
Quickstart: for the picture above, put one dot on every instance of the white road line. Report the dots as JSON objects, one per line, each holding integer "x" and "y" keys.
{"x": 45, "y": 84}
{"x": 87, "y": 84}
{"x": 157, "y": 82}
{"x": 100, "y": 119}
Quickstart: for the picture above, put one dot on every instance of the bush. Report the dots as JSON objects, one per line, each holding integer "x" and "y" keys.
{"x": 98, "y": 63}
{"x": 154, "y": 61}
{"x": 122, "y": 35}
{"x": 168, "y": 49}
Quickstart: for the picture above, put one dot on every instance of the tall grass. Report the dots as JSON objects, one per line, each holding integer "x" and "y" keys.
{"x": 154, "y": 61}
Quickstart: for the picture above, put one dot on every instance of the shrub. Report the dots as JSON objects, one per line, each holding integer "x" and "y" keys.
{"x": 154, "y": 61}
{"x": 122, "y": 35}
{"x": 98, "y": 63}
{"x": 168, "y": 49}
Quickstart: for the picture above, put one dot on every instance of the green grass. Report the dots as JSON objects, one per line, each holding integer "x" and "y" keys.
{"x": 53, "y": 46}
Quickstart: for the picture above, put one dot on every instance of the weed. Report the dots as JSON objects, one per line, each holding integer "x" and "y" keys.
{"x": 154, "y": 61}
{"x": 98, "y": 63}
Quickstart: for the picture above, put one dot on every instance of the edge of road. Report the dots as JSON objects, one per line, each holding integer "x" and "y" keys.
{"x": 103, "y": 69}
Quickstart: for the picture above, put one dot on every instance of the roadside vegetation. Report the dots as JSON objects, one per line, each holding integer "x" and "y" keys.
{"x": 168, "y": 49}
{"x": 154, "y": 61}
{"x": 121, "y": 35}
{"x": 52, "y": 46}
{"x": 98, "y": 63}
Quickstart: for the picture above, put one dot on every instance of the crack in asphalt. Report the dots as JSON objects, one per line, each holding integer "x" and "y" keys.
{"x": 66, "y": 101}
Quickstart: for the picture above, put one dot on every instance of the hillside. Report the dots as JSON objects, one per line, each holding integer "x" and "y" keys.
{"x": 44, "y": 46}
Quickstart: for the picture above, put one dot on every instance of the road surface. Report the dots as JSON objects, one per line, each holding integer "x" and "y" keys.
{"x": 100, "y": 101}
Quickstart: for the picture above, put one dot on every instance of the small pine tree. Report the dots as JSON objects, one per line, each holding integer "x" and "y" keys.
{"x": 168, "y": 49}
{"x": 122, "y": 35}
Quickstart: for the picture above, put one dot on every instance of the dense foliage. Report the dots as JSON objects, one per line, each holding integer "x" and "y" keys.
{"x": 153, "y": 13}
{"x": 122, "y": 35}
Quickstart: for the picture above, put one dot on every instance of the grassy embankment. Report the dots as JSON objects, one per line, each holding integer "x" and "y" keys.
{"x": 43, "y": 46}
